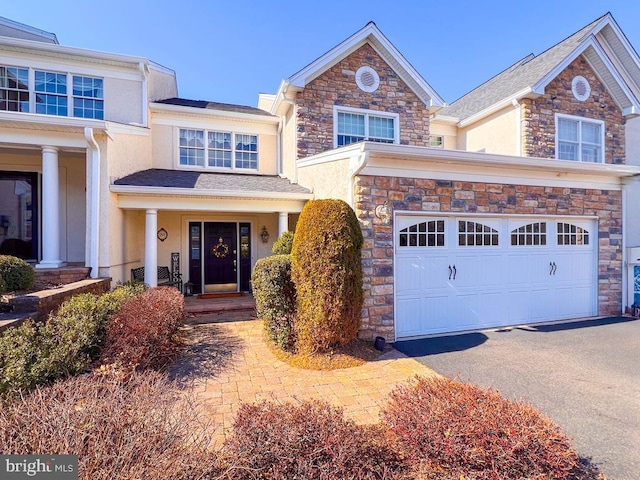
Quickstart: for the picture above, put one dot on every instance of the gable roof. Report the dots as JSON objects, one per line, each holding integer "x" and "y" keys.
{"x": 603, "y": 45}
{"x": 372, "y": 35}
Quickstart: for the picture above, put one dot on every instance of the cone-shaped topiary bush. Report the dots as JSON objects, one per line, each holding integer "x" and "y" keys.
{"x": 326, "y": 269}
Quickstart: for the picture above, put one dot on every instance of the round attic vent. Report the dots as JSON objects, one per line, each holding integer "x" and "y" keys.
{"x": 367, "y": 79}
{"x": 580, "y": 88}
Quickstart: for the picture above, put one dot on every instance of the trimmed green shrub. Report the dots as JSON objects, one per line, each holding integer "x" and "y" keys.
{"x": 275, "y": 297}
{"x": 127, "y": 428}
{"x": 74, "y": 334}
{"x": 66, "y": 344}
{"x": 3, "y": 285}
{"x": 17, "y": 274}
{"x": 327, "y": 272}
{"x": 311, "y": 440}
{"x": 19, "y": 353}
{"x": 454, "y": 428}
{"x": 283, "y": 245}
{"x": 144, "y": 332}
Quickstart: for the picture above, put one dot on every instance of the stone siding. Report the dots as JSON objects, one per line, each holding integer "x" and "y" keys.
{"x": 538, "y": 115}
{"x": 337, "y": 86}
{"x": 474, "y": 197}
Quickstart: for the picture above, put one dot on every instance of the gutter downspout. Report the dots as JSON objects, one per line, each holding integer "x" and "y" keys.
{"x": 94, "y": 203}
{"x": 360, "y": 162}
{"x": 145, "y": 92}
{"x": 279, "y": 147}
{"x": 292, "y": 102}
{"x": 627, "y": 275}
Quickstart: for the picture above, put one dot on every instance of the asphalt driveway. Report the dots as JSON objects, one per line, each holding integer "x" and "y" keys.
{"x": 585, "y": 375}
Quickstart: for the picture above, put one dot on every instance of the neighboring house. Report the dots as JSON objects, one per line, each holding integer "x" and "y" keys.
{"x": 505, "y": 207}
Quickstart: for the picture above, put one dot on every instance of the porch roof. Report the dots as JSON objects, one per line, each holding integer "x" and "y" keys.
{"x": 201, "y": 182}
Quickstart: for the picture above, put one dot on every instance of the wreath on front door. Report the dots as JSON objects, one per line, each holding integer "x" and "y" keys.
{"x": 221, "y": 249}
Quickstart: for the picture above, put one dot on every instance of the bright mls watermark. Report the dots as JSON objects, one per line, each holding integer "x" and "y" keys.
{"x": 51, "y": 467}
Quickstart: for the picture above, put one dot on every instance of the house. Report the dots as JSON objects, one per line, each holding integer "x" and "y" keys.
{"x": 505, "y": 207}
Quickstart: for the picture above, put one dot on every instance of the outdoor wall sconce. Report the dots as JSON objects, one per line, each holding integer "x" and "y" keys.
{"x": 383, "y": 213}
{"x": 264, "y": 235}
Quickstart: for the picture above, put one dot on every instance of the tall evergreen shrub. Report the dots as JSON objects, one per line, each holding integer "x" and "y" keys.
{"x": 326, "y": 269}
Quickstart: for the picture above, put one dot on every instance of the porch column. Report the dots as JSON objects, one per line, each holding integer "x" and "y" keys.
{"x": 283, "y": 223}
{"x": 151, "y": 248}
{"x": 50, "y": 210}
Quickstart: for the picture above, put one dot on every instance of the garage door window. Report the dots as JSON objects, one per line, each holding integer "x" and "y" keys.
{"x": 476, "y": 234}
{"x": 569, "y": 234}
{"x": 424, "y": 234}
{"x": 531, "y": 234}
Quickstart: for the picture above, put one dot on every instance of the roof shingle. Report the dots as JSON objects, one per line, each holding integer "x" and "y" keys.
{"x": 225, "y": 107}
{"x": 156, "y": 177}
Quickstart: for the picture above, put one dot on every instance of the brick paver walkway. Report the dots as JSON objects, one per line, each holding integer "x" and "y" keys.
{"x": 231, "y": 365}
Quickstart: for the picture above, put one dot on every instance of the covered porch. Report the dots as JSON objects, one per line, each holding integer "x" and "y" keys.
{"x": 211, "y": 227}
{"x": 47, "y": 187}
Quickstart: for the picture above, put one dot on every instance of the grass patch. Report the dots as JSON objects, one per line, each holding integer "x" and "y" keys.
{"x": 355, "y": 353}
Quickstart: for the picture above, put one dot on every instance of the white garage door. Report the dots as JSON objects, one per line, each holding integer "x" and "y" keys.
{"x": 463, "y": 273}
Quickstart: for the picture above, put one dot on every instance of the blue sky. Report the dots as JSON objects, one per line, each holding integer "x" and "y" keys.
{"x": 231, "y": 51}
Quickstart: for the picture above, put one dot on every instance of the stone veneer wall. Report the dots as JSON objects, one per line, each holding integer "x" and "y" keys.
{"x": 538, "y": 120}
{"x": 475, "y": 197}
{"x": 337, "y": 86}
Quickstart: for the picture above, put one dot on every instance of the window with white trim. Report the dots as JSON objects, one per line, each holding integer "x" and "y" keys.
{"x": 48, "y": 93}
{"x": 226, "y": 150}
{"x": 354, "y": 125}
{"x": 88, "y": 97}
{"x": 14, "y": 89}
{"x": 436, "y": 141}
{"x": 579, "y": 139}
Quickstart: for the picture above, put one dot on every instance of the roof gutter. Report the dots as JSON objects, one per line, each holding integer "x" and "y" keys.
{"x": 193, "y": 192}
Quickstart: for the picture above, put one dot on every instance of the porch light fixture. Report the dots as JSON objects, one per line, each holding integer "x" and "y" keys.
{"x": 264, "y": 235}
{"x": 383, "y": 213}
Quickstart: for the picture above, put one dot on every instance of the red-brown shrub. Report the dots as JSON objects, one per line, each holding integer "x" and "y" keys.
{"x": 310, "y": 440}
{"x": 126, "y": 429}
{"x": 449, "y": 426}
{"x": 144, "y": 333}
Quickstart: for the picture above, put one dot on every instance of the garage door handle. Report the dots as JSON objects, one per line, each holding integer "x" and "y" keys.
{"x": 555, "y": 267}
{"x": 450, "y": 272}
{"x": 454, "y": 272}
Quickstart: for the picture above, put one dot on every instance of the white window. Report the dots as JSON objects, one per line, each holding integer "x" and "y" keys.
{"x": 436, "y": 141}
{"x": 579, "y": 139}
{"x": 88, "y": 97}
{"x": 222, "y": 149}
{"x": 352, "y": 125}
{"x": 48, "y": 93}
{"x": 14, "y": 89}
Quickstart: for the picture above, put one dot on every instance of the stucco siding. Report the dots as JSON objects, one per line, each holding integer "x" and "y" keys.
{"x": 322, "y": 179}
{"x": 498, "y": 133}
{"x": 123, "y": 100}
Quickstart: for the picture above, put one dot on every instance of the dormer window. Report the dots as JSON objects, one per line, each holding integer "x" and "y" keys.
{"x": 353, "y": 125}
{"x": 579, "y": 139}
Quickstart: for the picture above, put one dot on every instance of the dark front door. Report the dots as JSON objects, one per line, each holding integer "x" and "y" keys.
{"x": 220, "y": 257}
